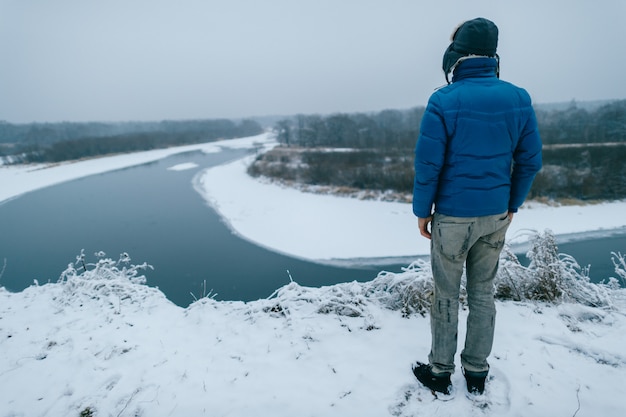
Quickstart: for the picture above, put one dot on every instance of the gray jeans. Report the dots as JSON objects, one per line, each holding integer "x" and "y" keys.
{"x": 476, "y": 242}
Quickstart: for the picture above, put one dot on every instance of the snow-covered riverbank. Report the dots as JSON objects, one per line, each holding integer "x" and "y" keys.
{"x": 20, "y": 179}
{"x": 327, "y": 227}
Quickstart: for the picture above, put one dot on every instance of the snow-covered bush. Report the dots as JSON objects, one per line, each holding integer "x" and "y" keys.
{"x": 410, "y": 292}
{"x": 547, "y": 272}
{"x": 551, "y": 276}
{"x": 619, "y": 261}
{"x": 345, "y": 299}
{"x": 107, "y": 281}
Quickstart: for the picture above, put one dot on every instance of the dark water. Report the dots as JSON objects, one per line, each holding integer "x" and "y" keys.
{"x": 156, "y": 216}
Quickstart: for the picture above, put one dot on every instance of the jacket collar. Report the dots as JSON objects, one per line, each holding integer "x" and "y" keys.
{"x": 475, "y": 67}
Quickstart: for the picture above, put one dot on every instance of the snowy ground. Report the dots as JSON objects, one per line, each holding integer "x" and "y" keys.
{"x": 109, "y": 347}
{"x": 120, "y": 349}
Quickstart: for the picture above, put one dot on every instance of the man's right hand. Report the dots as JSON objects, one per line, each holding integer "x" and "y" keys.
{"x": 423, "y": 223}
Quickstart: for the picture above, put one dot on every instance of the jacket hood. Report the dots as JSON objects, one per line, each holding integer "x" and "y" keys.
{"x": 474, "y": 37}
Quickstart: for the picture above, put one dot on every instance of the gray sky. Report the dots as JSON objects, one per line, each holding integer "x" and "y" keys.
{"x": 116, "y": 60}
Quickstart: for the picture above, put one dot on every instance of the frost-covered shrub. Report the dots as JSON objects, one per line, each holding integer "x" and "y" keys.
{"x": 410, "y": 292}
{"x": 517, "y": 282}
{"x": 106, "y": 281}
{"x": 511, "y": 277}
{"x": 551, "y": 276}
{"x": 346, "y": 299}
{"x": 546, "y": 269}
{"x": 619, "y": 261}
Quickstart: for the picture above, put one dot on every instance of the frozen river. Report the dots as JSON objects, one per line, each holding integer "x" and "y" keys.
{"x": 153, "y": 213}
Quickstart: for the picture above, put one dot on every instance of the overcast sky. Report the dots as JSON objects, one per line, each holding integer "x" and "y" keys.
{"x": 117, "y": 60}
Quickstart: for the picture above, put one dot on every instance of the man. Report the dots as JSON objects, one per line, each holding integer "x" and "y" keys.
{"x": 476, "y": 157}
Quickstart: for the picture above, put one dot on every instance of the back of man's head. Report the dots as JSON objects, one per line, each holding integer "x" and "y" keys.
{"x": 475, "y": 37}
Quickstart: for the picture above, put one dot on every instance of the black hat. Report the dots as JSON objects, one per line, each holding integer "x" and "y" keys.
{"x": 475, "y": 37}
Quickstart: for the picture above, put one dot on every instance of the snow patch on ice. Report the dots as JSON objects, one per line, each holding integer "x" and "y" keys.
{"x": 183, "y": 167}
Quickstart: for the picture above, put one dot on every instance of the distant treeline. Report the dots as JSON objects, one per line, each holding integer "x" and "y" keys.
{"x": 54, "y": 142}
{"x": 378, "y": 150}
{"x": 381, "y": 151}
{"x": 388, "y": 129}
{"x": 396, "y": 128}
{"x": 584, "y": 172}
{"x": 575, "y": 124}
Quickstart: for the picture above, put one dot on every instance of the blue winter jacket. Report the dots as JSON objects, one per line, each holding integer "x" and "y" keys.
{"x": 479, "y": 148}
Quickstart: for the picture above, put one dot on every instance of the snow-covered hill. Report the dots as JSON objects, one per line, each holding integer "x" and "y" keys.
{"x": 102, "y": 343}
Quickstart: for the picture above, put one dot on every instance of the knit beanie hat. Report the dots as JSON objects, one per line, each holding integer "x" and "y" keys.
{"x": 475, "y": 37}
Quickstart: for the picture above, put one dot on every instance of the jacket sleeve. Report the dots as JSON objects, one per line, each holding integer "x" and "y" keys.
{"x": 429, "y": 158}
{"x": 526, "y": 162}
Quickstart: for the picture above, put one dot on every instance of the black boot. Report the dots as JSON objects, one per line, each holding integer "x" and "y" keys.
{"x": 475, "y": 381}
{"x": 436, "y": 382}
